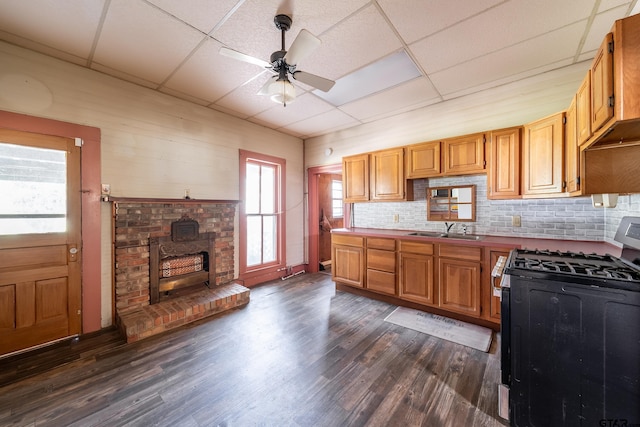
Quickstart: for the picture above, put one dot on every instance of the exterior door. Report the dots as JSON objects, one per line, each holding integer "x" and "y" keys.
{"x": 40, "y": 237}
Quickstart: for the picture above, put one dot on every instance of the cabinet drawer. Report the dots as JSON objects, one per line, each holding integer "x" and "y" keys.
{"x": 470, "y": 253}
{"x": 381, "y": 281}
{"x": 381, "y": 243}
{"x": 381, "y": 260}
{"x": 416, "y": 247}
{"x": 340, "y": 239}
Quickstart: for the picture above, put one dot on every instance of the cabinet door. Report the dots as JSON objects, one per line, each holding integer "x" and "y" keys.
{"x": 602, "y": 84}
{"x": 460, "y": 286}
{"x": 387, "y": 175}
{"x": 572, "y": 150}
{"x": 493, "y": 302}
{"x": 355, "y": 178}
{"x": 503, "y": 176}
{"x": 347, "y": 265}
{"x": 416, "y": 278}
{"x": 583, "y": 110}
{"x": 464, "y": 155}
{"x": 423, "y": 160}
{"x": 542, "y": 157}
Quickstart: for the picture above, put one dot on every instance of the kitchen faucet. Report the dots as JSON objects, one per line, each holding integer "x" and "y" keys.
{"x": 448, "y": 226}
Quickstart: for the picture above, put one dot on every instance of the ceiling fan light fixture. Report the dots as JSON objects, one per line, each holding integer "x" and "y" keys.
{"x": 282, "y": 91}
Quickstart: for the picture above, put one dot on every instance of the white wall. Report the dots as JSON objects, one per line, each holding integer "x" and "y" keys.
{"x": 153, "y": 145}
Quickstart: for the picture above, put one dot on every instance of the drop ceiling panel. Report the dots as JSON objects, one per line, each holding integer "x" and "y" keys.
{"x": 67, "y": 25}
{"x": 503, "y": 26}
{"x": 601, "y": 25}
{"x": 416, "y": 92}
{"x": 245, "y": 99}
{"x": 514, "y": 61}
{"x": 415, "y": 19}
{"x": 202, "y": 14}
{"x": 317, "y": 125}
{"x": 355, "y": 42}
{"x": 305, "y": 106}
{"x": 131, "y": 42}
{"x": 208, "y": 75}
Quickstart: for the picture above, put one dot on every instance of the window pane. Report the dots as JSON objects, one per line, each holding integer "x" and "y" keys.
{"x": 268, "y": 188}
{"x": 336, "y": 189}
{"x": 337, "y": 208}
{"x": 254, "y": 252}
{"x": 269, "y": 239}
{"x": 33, "y": 184}
{"x": 252, "y": 194}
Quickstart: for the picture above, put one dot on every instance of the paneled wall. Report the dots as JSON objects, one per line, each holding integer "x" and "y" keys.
{"x": 152, "y": 145}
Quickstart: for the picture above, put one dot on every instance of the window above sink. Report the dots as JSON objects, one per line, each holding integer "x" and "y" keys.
{"x": 451, "y": 203}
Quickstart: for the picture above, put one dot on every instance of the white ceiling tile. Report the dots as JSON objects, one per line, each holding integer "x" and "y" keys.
{"x": 355, "y": 42}
{"x": 132, "y": 42}
{"x": 334, "y": 120}
{"x": 191, "y": 11}
{"x": 414, "y": 93}
{"x": 245, "y": 99}
{"x": 513, "y": 61}
{"x": 207, "y": 75}
{"x": 305, "y": 106}
{"x": 601, "y": 25}
{"x": 67, "y": 25}
{"x": 502, "y": 26}
{"x": 610, "y": 4}
{"x": 415, "y": 19}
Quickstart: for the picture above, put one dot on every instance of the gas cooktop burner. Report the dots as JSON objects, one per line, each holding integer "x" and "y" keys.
{"x": 575, "y": 264}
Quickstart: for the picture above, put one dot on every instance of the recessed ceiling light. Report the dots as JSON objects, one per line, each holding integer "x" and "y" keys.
{"x": 388, "y": 72}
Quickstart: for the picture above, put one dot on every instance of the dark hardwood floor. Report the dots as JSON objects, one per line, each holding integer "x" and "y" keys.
{"x": 300, "y": 354}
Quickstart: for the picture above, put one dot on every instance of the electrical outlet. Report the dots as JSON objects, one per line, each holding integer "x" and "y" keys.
{"x": 106, "y": 189}
{"x": 516, "y": 221}
{"x": 396, "y": 218}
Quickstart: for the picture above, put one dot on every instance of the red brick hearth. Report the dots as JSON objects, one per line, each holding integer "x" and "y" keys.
{"x": 137, "y": 220}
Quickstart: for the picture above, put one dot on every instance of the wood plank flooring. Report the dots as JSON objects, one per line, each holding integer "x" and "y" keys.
{"x": 299, "y": 354}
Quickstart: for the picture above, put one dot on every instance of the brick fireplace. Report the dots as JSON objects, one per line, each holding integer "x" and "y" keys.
{"x": 136, "y": 222}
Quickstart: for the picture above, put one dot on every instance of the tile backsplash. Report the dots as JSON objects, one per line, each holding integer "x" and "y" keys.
{"x": 561, "y": 218}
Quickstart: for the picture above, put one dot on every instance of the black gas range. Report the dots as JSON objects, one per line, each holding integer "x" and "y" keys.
{"x": 571, "y": 336}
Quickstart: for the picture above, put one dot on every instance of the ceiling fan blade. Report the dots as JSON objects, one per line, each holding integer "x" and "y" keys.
{"x": 302, "y": 46}
{"x": 242, "y": 57}
{"x": 312, "y": 80}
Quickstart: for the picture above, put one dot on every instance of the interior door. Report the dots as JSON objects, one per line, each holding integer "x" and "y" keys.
{"x": 40, "y": 236}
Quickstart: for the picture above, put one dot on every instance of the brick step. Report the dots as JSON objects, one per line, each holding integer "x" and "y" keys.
{"x": 154, "y": 319}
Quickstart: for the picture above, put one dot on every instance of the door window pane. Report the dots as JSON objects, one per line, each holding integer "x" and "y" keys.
{"x": 33, "y": 189}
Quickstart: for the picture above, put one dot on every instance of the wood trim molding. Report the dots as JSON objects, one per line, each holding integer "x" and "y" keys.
{"x": 153, "y": 200}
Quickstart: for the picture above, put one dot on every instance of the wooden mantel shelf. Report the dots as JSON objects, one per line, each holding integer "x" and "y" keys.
{"x": 153, "y": 200}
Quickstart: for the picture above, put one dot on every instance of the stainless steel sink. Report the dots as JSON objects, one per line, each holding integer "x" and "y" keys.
{"x": 462, "y": 236}
{"x": 427, "y": 234}
{"x": 445, "y": 235}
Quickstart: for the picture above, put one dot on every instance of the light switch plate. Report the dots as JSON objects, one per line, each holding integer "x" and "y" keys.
{"x": 106, "y": 189}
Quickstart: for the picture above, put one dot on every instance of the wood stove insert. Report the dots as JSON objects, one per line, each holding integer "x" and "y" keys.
{"x": 184, "y": 259}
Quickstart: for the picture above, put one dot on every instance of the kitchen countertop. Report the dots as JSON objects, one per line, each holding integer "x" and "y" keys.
{"x": 586, "y": 246}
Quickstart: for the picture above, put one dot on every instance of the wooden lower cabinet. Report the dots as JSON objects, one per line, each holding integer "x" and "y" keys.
{"x": 381, "y": 265}
{"x": 416, "y": 281}
{"x": 448, "y": 277}
{"x": 347, "y": 254}
{"x": 491, "y": 302}
{"x": 459, "y": 268}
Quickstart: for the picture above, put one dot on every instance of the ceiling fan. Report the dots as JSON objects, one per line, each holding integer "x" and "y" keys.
{"x": 284, "y": 64}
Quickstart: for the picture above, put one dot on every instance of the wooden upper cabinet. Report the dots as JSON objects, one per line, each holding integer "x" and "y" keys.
{"x": 387, "y": 175}
{"x": 602, "y": 100}
{"x": 464, "y": 155}
{"x": 423, "y": 160}
{"x": 542, "y": 157}
{"x": 583, "y": 110}
{"x": 572, "y": 149}
{"x": 503, "y": 174}
{"x": 355, "y": 177}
